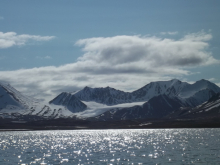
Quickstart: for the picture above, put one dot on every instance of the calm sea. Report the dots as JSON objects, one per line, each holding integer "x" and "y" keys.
{"x": 146, "y": 146}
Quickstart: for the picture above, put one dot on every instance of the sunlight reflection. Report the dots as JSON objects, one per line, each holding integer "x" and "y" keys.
{"x": 109, "y": 146}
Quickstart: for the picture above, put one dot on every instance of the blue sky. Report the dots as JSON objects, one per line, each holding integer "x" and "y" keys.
{"x": 51, "y": 46}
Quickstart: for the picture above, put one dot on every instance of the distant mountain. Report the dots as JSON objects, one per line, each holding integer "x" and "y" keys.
{"x": 69, "y": 101}
{"x": 155, "y": 100}
{"x": 161, "y": 98}
{"x": 192, "y": 94}
{"x": 167, "y": 107}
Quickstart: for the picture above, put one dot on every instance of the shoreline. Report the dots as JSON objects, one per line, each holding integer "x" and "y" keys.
{"x": 73, "y": 124}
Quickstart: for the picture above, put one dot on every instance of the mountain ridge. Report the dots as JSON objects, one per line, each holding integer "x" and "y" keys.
{"x": 154, "y": 100}
{"x": 171, "y": 88}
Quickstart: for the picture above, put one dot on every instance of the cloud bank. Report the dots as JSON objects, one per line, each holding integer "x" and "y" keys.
{"x": 148, "y": 52}
{"x": 123, "y": 62}
{"x": 10, "y": 39}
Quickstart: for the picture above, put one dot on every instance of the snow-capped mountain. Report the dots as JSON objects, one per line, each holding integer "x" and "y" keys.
{"x": 69, "y": 101}
{"x": 170, "y": 88}
{"x": 10, "y": 98}
{"x": 13, "y": 104}
{"x": 164, "y": 106}
{"x": 192, "y": 94}
{"x": 154, "y": 100}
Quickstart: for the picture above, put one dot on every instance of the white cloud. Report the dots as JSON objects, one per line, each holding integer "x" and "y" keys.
{"x": 212, "y": 79}
{"x": 169, "y": 33}
{"x": 10, "y": 39}
{"x": 198, "y": 37}
{"x": 123, "y": 62}
{"x": 148, "y": 52}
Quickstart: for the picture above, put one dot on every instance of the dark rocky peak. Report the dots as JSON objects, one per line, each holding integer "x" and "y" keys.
{"x": 68, "y": 100}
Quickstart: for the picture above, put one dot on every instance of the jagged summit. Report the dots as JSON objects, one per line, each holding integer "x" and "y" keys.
{"x": 68, "y": 100}
{"x": 86, "y": 88}
{"x": 174, "y": 87}
{"x": 107, "y": 95}
{"x": 97, "y": 88}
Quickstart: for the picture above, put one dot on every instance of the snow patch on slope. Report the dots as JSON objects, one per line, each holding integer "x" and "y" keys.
{"x": 95, "y": 109}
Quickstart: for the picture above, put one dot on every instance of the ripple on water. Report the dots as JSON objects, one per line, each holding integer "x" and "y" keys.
{"x": 164, "y": 146}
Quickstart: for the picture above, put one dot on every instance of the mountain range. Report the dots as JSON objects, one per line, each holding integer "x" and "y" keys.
{"x": 193, "y": 94}
{"x": 157, "y": 100}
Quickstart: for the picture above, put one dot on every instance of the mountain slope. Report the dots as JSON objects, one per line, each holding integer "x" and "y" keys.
{"x": 15, "y": 105}
{"x": 68, "y": 100}
{"x": 208, "y": 109}
{"x": 156, "y": 107}
{"x": 10, "y": 98}
{"x": 200, "y": 97}
{"x": 191, "y": 89}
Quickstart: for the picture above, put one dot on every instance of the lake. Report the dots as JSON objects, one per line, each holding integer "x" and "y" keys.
{"x": 130, "y": 146}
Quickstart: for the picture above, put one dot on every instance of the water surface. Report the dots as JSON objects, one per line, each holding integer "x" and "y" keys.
{"x": 145, "y": 146}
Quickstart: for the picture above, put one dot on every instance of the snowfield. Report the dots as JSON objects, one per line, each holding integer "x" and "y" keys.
{"x": 95, "y": 109}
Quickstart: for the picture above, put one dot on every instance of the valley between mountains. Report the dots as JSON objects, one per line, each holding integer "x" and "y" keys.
{"x": 161, "y": 104}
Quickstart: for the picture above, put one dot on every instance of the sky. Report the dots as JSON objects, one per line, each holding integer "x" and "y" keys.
{"x": 49, "y": 47}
